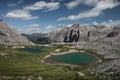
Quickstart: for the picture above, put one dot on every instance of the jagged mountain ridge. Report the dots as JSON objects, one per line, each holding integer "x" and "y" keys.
{"x": 10, "y": 36}
{"x": 78, "y": 32}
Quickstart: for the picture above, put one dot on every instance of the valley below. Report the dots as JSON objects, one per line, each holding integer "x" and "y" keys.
{"x": 78, "y": 52}
{"x": 59, "y": 39}
{"x": 22, "y": 63}
{"x": 26, "y": 63}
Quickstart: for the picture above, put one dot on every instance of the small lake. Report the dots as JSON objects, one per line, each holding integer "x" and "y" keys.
{"x": 76, "y": 58}
{"x": 34, "y": 49}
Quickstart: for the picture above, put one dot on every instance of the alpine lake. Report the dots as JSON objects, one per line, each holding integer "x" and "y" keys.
{"x": 19, "y": 63}
{"x": 72, "y": 58}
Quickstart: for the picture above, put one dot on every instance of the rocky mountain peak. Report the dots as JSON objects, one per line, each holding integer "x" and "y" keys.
{"x": 80, "y": 32}
{"x": 10, "y": 36}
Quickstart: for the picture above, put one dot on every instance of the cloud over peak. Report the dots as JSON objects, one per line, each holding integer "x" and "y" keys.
{"x": 112, "y": 23}
{"x": 94, "y": 12}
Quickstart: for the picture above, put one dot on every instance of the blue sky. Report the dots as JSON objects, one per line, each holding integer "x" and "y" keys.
{"x": 33, "y": 16}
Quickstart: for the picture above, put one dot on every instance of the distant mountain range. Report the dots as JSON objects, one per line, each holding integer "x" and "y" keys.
{"x": 38, "y": 38}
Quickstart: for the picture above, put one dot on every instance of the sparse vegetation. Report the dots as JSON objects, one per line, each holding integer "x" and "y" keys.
{"x": 19, "y": 64}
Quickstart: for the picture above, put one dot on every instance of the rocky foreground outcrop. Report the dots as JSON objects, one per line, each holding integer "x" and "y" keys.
{"x": 10, "y": 36}
{"x": 103, "y": 39}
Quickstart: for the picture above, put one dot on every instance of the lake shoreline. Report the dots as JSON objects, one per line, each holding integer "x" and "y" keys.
{"x": 47, "y": 61}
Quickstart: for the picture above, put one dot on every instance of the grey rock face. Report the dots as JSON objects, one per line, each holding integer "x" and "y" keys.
{"x": 105, "y": 40}
{"x": 115, "y": 32}
{"x": 78, "y": 33}
{"x": 10, "y": 36}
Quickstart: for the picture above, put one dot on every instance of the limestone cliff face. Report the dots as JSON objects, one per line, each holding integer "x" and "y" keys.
{"x": 10, "y": 36}
{"x": 78, "y": 33}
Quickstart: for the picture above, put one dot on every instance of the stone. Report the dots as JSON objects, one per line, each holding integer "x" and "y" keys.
{"x": 80, "y": 74}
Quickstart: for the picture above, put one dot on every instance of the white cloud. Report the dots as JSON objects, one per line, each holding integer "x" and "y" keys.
{"x": 42, "y": 5}
{"x": 12, "y": 4}
{"x": 91, "y": 2}
{"x": 56, "y": 0}
{"x": 15, "y": 4}
{"x": 95, "y": 23}
{"x": 111, "y": 23}
{"x": 69, "y": 25}
{"x": 34, "y": 28}
{"x": 61, "y": 25}
{"x": 24, "y": 14}
{"x": 20, "y": 1}
{"x": 50, "y": 27}
{"x": 75, "y": 3}
{"x": 96, "y": 11}
{"x": 20, "y": 14}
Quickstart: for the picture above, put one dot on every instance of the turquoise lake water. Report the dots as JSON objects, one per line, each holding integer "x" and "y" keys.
{"x": 76, "y": 58}
{"x": 34, "y": 50}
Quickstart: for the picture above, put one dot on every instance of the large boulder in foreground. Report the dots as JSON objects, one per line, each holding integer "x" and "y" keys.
{"x": 10, "y": 36}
